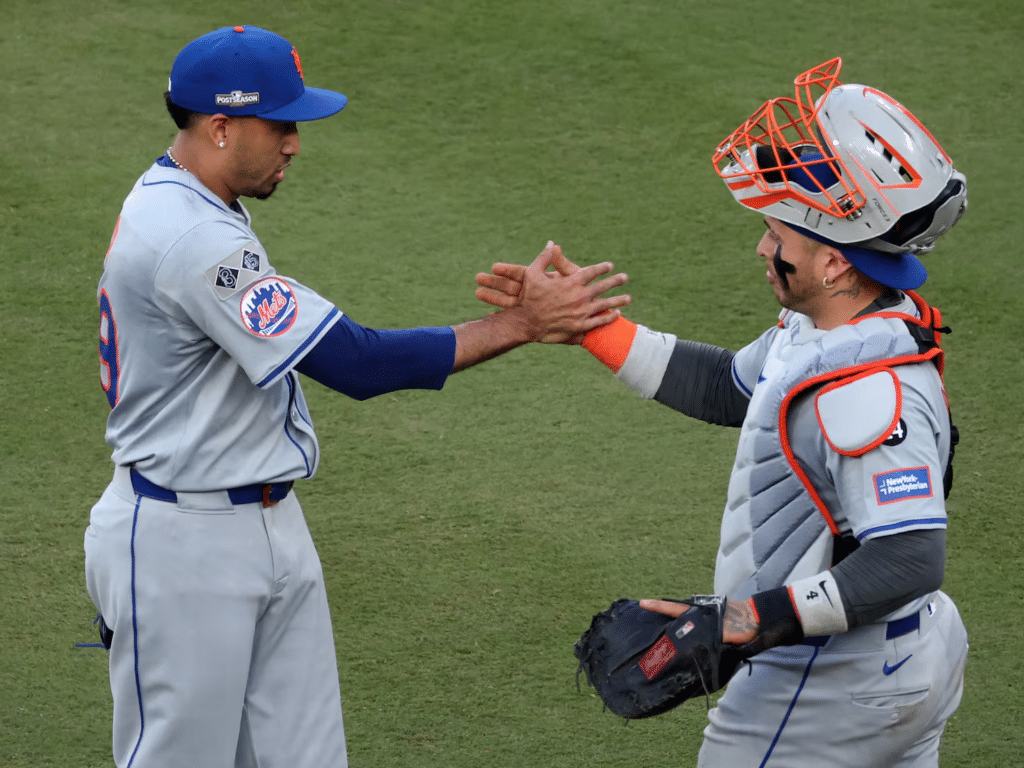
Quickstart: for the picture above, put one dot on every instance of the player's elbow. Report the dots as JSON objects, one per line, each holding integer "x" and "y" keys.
{"x": 933, "y": 574}
{"x": 924, "y": 556}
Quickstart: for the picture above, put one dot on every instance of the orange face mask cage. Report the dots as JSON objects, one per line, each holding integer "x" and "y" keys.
{"x": 770, "y": 144}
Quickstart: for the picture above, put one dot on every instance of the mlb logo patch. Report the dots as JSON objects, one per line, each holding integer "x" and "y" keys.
{"x": 684, "y": 630}
{"x": 902, "y": 484}
{"x": 269, "y": 307}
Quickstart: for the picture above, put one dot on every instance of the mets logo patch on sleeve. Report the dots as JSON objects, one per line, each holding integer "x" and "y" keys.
{"x": 901, "y": 484}
{"x": 269, "y": 307}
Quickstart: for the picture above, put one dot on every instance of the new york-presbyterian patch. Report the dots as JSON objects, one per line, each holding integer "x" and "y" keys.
{"x": 238, "y": 270}
{"x": 269, "y": 307}
{"x": 902, "y": 484}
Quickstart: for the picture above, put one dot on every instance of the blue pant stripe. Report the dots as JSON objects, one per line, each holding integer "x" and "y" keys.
{"x": 792, "y": 705}
{"x": 135, "y": 638}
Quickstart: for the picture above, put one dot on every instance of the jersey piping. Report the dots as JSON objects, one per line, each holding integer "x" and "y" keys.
{"x": 301, "y": 349}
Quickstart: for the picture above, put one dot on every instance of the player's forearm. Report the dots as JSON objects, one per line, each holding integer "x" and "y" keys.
{"x": 488, "y": 337}
{"x": 698, "y": 382}
{"x": 874, "y": 581}
{"x": 690, "y": 377}
{"x": 362, "y": 362}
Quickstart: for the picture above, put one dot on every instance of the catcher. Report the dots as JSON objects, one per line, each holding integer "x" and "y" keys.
{"x": 832, "y": 549}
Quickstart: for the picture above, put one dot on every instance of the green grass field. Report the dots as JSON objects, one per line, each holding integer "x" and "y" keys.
{"x": 469, "y": 535}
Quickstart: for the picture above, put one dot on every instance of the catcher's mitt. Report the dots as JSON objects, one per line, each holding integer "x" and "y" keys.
{"x": 644, "y": 663}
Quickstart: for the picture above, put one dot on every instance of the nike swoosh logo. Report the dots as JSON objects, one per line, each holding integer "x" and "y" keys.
{"x": 822, "y": 585}
{"x": 760, "y": 378}
{"x": 887, "y": 670}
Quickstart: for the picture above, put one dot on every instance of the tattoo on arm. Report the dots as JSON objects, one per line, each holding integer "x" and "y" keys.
{"x": 739, "y": 625}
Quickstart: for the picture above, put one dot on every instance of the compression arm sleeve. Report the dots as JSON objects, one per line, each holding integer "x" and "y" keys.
{"x": 889, "y": 571}
{"x": 693, "y": 378}
{"x": 698, "y": 382}
{"x": 363, "y": 363}
{"x": 872, "y": 582}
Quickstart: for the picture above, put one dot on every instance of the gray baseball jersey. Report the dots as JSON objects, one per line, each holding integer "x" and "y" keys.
{"x": 873, "y": 444}
{"x": 222, "y": 650}
{"x": 894, "y": 487}
{"x": 192, "y": 316}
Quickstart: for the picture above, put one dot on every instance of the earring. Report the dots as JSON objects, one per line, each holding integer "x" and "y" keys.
{"x": 222, "y": 144}
{"x": 826, "y": 284}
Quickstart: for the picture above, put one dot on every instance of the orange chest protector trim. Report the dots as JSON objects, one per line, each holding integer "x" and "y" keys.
{"x": 927, "y": 331}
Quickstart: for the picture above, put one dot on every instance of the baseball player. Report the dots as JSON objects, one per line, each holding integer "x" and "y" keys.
{"x": 833, "y": 535}
{"x": 197, "y": 555}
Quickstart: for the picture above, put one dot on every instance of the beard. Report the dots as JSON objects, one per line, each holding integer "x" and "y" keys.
{"x": 260, "y": 193}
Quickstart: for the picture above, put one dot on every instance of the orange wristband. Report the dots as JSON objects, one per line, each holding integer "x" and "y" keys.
{"x": 610, "y": 343}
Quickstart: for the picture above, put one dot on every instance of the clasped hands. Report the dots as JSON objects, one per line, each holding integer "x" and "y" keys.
{"x": 559, "y": 305}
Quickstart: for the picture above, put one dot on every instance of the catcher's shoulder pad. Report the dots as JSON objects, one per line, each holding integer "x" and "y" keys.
{"x": 859, "y": 413}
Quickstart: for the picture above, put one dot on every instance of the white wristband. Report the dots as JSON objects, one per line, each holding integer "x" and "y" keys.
{"x": 647, "y": 360}
{"x": 819, "y": 605}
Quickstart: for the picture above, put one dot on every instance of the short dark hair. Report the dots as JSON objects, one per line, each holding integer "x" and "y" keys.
{"x": 183, "y": 118}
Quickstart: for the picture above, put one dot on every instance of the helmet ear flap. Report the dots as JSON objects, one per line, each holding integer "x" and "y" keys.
{"x": 918, "y": 230}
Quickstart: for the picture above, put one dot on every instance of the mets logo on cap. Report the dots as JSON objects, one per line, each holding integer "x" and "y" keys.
{"x": 269, "y": 307}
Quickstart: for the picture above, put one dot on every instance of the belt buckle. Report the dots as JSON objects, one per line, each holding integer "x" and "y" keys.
{"x": 266, "y": 496}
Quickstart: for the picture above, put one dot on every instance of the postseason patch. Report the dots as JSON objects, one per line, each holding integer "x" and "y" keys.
{"x": 269, "y": 307}
{"x": 237, "y": 99}
{"x": 902, "y": 484}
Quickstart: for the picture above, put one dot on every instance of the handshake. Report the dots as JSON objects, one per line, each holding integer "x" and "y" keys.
{"x": 558, "y": 301}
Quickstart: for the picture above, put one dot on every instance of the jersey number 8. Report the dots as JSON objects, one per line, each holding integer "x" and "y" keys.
{"x": 109, "y": 368}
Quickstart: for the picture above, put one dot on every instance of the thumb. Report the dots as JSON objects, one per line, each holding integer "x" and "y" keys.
{"x": 562, "y": 264}
{"x": 543, "y": 260}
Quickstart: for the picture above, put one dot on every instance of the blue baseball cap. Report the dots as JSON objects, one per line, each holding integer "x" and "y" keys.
{"x": 247, "y": 71}
{"x": 903, "y": 271}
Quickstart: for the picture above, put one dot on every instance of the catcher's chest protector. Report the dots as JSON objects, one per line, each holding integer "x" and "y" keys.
{"x": 775, "y": 520}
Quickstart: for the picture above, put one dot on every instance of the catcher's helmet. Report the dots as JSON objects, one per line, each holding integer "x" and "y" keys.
{"x": 850, "y": 166}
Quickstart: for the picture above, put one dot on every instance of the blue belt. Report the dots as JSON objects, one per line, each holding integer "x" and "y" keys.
{"x": 903, "y": 626}
{"x": 893, "y": 629}
{"x": 267, "y": 495}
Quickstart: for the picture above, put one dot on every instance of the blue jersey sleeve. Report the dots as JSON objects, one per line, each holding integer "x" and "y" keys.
{"x": 362, "y": 362}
